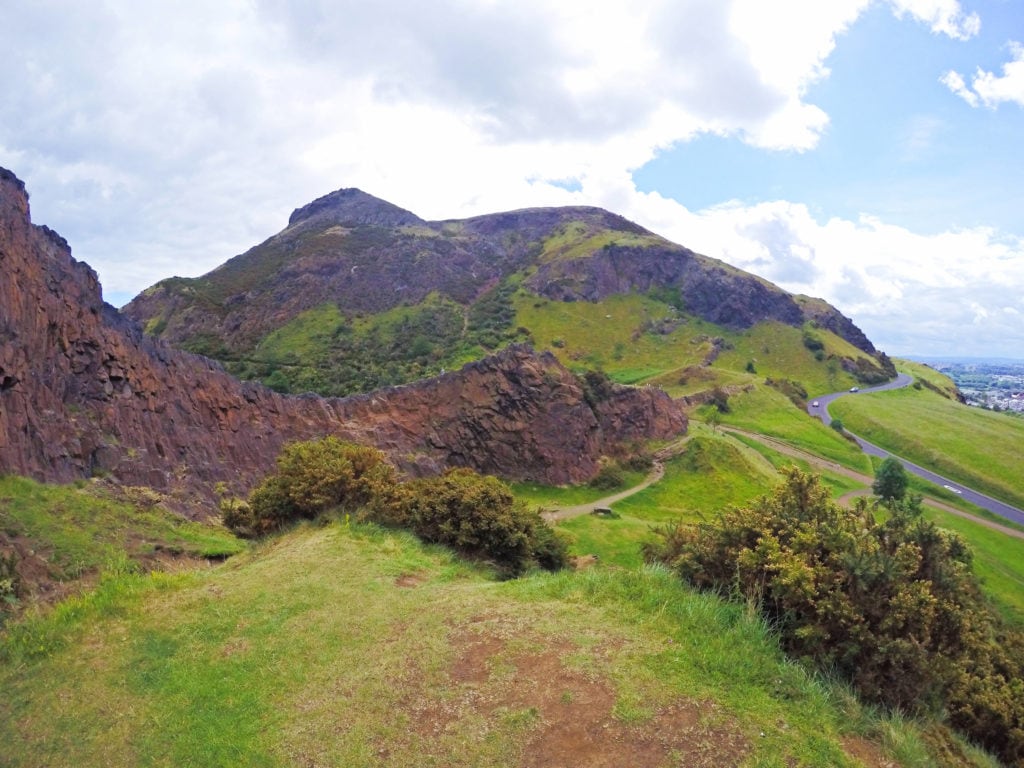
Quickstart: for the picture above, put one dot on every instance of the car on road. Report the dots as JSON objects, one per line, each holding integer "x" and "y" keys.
{"x": 814, "y": 404}
{"x": 855, "y": 389}
{"x": 954, "y": 490}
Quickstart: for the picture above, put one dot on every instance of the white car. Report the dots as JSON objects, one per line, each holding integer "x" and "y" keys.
{"x": 814, "y": 404}
{"x": 855, "y": 389}
{"x": 951, "y": 488}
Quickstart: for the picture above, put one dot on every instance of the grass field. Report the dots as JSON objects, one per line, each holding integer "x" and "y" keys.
{"x": 351, "y": 646}
{"x": 554, "y": 497}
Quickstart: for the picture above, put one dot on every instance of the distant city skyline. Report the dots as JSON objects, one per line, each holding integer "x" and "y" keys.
{"x": 864, "y": 151}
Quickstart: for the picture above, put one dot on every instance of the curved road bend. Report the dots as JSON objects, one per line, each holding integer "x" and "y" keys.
{"x": 985, "y": 502}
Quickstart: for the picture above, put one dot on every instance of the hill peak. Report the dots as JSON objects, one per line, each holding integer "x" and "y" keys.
{"x": 351, "y": 207}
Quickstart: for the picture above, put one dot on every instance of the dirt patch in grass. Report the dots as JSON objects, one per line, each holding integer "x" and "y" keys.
{"x": 409, "y": 580}
{"x": 868, "y": 754}
{"x": 565, "y": 716}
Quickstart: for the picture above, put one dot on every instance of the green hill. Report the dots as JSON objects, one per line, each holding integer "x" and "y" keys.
{"x": 926, "y": 424}
{"x": 356, "y": 294}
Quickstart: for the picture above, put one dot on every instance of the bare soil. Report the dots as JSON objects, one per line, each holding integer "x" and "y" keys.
{"x": 569, "y": 714}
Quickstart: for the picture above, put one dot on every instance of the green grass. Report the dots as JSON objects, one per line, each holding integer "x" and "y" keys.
{"x": 610, "y": 334}
{"x": 713, "y": 473}
{"x": 777, "y": 351}
{"x": 767, "y": 411}
{"x": 998, "y": 562}
{"x": 978, "y": 448}
{"x": 615, "y": 540}
{"x": 79, "y": 529}
{"x": 351, "y": 646}
{"x": 555, "y": 497}
{"x": 577, "y": 239}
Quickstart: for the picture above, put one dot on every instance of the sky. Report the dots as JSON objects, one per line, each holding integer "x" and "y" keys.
{"x": 865, "y": 151}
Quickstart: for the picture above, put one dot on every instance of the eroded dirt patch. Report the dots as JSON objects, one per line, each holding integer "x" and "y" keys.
{"x": 409, "y": 580}
{"x": 566, "y": 713}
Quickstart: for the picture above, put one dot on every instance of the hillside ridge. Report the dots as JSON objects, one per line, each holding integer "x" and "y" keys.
{"x": 360, "y": 259}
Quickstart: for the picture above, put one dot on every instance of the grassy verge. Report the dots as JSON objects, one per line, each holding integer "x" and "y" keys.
{"x": 978, "y": 448}
{"x": 769, "y": 412}
{"x": 357, "y": 647}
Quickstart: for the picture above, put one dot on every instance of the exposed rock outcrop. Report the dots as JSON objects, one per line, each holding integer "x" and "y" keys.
{"x": 709, "y": 289}
{"x": 84, "y": 392}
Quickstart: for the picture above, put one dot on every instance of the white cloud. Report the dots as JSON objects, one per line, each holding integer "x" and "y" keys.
{"x": 955, "y": 82}
{"x": 988, "y": 88}
{"x": 162, "y": 139}
{"x": 945, "y": 17}
{"x": 910, "y": 293}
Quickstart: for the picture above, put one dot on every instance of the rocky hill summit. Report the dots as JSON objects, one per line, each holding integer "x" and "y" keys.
{"x": 84, "y": 393}
{"x": 349, "y": 259}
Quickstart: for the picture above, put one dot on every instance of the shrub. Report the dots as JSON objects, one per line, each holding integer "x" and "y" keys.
{"x": 813, "y": 343}
{"x": 890, "y": 480}
{"x": 313, "y": 477}
{"x": 640, "y": 462}
{"x": 720, "y": 399}
{"x": 608, "y": 476}
{"x": 794, "y": 390}
{"x": 478, "y": 515}
{"x": 891, "y": 606}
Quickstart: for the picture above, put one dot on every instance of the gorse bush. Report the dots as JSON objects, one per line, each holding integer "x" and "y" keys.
{"x": 313, "y": 477}
{"x": 475, "y": 514}
{"x": 892, "y": 607}
{"x": 479, "y": 516}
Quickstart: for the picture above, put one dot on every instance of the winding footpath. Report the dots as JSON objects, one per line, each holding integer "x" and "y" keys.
{"x": 819, "y": 409}
{"x": 977, "y": 498}
{"x": 657, "y": 472}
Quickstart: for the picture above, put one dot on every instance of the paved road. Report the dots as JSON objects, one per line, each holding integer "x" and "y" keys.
{"x": 1000, "y": 508}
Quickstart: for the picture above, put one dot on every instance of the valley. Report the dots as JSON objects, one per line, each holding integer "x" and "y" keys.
{"x": 583, "y": 359}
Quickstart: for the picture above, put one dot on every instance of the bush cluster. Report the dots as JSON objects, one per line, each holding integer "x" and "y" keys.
{"x": 794, "y": 390}
{"x": 479, "y": 516}
{"x": 312, "y": 477}
{"x": 891, "y": 606}
{"x": 474, "y": 514}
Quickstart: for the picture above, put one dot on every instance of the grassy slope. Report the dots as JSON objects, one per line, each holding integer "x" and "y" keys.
{"x": 768, "y": 412}
{"x": 80, "y": 529}
{"x": 978, "y": 448}
{"x": 350, "y": 646}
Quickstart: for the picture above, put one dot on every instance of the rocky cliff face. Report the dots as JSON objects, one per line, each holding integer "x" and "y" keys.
{"x": 709, "y": 289}
{"x": 84, "y": 393}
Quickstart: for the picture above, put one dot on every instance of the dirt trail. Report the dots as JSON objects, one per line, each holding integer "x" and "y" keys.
{"x": 657, "y": 472}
